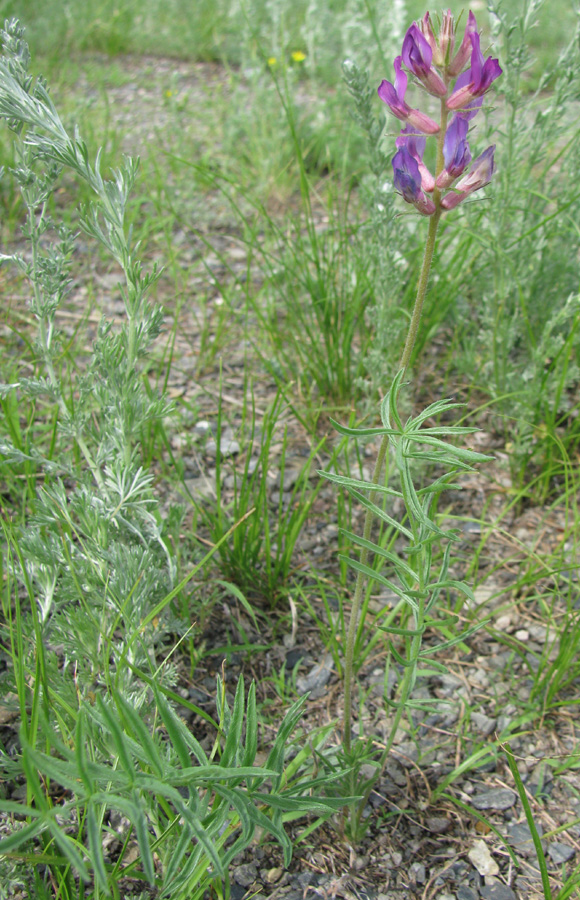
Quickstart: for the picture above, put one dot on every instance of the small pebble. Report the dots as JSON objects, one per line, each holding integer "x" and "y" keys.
{"x": 408, "y": 754}
{"x": 497, "y": 892}
{"x": 560, "y": 853}
{"x": 520, "y": 837}
{"x": 495, "y": 798}
{"x": 317, "y": 677}
{"x": 227, "y": 447}
{"x": 274, "y": 875}
{"x": 482, "y": 723}
{"x": 482, "y": 859}
{"x": 437, "y": 824}
{"x": 418, "y": 873}
{"x": 466, "y": 893}
{"x": 245, "y": 874}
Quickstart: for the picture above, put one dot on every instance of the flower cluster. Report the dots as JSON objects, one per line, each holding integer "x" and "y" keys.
{"x": 440, "y": 68}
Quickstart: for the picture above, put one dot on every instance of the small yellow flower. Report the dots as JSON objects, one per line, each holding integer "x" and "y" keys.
{"x": 272, "y": 60}
{"x": 169, "y": 93}
{"x": 298, "y": 56}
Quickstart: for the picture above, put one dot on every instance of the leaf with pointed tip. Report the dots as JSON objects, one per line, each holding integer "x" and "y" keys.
{"x": 359, "y": 485}
{"x": 234, "y": 728}
{"x": 141, "y": 733}
{"x": 275, "y": 758}
{"x": 370, "y": 573}
{"x": 398, "y": 563}
{"x": 381, "y": 514}
{"x": 251, "y": 745}
{"x": 96, "y": 850}
{"x": 407, "y": 663}
{"x": 359, "y": 432}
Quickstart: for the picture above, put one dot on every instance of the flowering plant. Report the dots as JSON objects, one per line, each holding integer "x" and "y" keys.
{"x": 422, "y": 577}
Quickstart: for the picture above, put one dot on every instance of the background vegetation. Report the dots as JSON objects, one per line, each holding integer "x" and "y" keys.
{"x": 159, "y": 469}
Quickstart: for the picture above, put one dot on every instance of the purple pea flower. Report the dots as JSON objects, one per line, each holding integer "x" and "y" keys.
{"x": 415, "y": 144}
{"x": 479, "y": 175}
{"x": 477, "y": 80}
{"x": 456, "y": 152}
{"x": 418, "y": 56}
{"x": 394, "y": 97}
{"x": 408, "y": 181}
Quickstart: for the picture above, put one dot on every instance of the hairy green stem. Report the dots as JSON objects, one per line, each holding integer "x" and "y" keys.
{"x": 409, "y": 678}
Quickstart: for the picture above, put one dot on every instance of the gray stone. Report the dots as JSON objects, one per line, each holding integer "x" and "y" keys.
{"x": 466, "y": 893}
{"x": 497, "y": 892}
{"x": 520, "y": 837}
{"x": 482, "y": 723}
{"x": 495, "y": 798}
{"x": 418, "y": 873}
{"x": 560, "y": 853}
{"x": 202, "y": 427}
{"x": 395, "y": 772}
{"x": 408, "y": 754}
{"x": 541, "y": 779}
{"x": 317, "y": 677}
{"x": 200, "y": 488}
{"x": 245, "y": 874}
{"x": 227, "y": 447}
{"x": 437, "y": 824}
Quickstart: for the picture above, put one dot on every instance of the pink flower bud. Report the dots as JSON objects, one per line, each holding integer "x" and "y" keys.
{"x": 479, "y": 175}
{"x": 446, "y": 38}
{"x": 464, "y": 51}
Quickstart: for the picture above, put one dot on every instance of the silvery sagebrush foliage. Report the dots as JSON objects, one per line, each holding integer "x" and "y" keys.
{"x": 363, "y": 31}
{"x": 103, "y": 540}
{"x": 89, "y": 575}
{"x": 453, "y": 69}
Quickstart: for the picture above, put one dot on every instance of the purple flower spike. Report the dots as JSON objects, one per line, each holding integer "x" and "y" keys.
{"x": 394, "y": 97}
{"x": 408, "y": 181}
{"x": 477, "y": 80}
{"x": 456, "y": 152}
{"x": 418, "y": 56}
{"x": 464, "y": 52}
{"x": 415, "y": 144}
{"x": 479, "y": 175}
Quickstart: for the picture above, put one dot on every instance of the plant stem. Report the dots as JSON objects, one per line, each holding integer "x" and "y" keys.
{"x": 409, "y": 678}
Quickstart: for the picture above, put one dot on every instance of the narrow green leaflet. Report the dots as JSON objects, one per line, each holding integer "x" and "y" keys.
{"x": 359, "y": 485}
{"x": 370, "y": 573}
{"x": 119, "y": 741}
{"x": 251, "y": 745}
{"x": 275, "y": 758}
{"x": 96, "y": 849}
{"x": 234, "y": 728}
{"x": 360, "y": 432}
{"x": 381, "y": 514}
{"x": 399, "y": 564}
{"x": 141, "y": 734}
